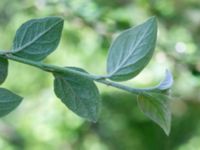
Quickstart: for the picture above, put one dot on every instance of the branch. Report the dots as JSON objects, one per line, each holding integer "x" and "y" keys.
{"x": 67, "y": 71}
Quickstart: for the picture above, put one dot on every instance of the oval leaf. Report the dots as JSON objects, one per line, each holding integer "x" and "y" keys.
{"x": 8, "y": 101}
{"x": 156, "y": 107}
{"x": 37, "y": 38}
{"x": 79, "y": 94}
{"x": 131, "y": 51}
{"x": 3, "y": 69}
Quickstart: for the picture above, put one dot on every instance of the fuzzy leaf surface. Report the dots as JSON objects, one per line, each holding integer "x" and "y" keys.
{"x": 131, "y": 51}
{"x": 79, "y": 94}
{"x": 37, "y": 38}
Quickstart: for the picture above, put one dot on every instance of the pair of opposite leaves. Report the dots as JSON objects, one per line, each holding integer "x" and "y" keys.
{"x": 128, "y": 55}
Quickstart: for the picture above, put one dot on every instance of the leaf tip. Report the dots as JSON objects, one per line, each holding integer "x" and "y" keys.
{"x": 167, "y": 127}
{"x": 167, "y": 131}
{"x": 152, "y": 19}
{"x": 8, "y": 101}
{"x": 21, "y": 98}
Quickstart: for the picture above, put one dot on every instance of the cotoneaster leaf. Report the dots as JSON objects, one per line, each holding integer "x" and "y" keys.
{"x": 8, "y": 101}
{"x": 131, "y": 51}
{"x": 3, "y": 69}
{"x": 37, "y": 38}
{"x": 156, "y": 107}
{"x": 79, "y": 94}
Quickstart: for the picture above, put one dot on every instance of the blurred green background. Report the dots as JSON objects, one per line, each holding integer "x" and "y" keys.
{"x": 42, "y": 122}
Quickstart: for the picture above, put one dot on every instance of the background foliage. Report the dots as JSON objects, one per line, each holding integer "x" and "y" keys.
{"x": 41, "y": 122}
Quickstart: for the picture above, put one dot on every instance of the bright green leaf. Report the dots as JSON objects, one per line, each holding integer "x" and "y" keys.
{"x": 3, "y": 69}
{"x": 131, "y": 51}
{"x": 79, "y": 94}
{"x": 8, "y": 101}
{"x": 156, "y": 107}
{"x": 37, "y": 38}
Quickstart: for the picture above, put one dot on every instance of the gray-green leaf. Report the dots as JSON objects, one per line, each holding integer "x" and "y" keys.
{"x": 131, "y": 51}
{"x": 3, "y": 69}
{"x": 79, "y": 94}
{"x": 8, "y": 101}
{"x": 37, "y": 38}
{"x": 156, "y": 107}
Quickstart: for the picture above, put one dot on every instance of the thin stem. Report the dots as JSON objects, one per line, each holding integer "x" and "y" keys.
{"x": 50, "y": 68}
{"x": 122, "y": 87}
{"x": 67, "y": 71}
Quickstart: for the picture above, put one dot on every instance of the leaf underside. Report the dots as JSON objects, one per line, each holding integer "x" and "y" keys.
{"x": 156, "y": 107}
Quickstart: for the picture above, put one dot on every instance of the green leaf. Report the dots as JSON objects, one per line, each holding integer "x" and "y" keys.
{"x": 8, "y": 101}
{"x": 156, "y": 107}
{"x": 79, "y": 94}
{"x": 131, "y": 51}
{"x": 3, "y": 69}
{"x": 37, "y": 38}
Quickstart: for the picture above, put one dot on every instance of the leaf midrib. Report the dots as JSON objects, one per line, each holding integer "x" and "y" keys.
{"x": 37, "y": 37}
{"x": 129, "y": 55}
